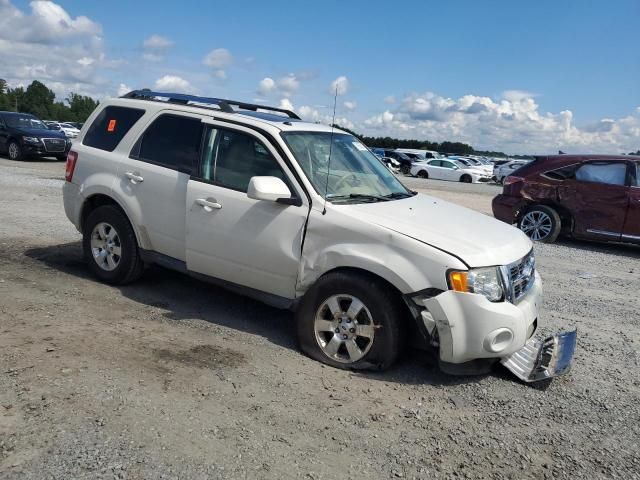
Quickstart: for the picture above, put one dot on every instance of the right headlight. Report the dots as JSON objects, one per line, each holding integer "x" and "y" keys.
{"x": 486, "y": 281}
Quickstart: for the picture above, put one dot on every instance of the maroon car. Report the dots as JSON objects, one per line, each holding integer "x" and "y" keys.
{"x": 593, "y": 197}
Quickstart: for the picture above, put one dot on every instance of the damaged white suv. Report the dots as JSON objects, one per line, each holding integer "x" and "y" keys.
{"x": 303, "y": 216}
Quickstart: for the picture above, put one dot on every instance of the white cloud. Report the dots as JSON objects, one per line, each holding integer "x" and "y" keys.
{"x": 513, "y": 124}
{"x": 390, "y": 99}
{"x": 219, "y": 58}
{"x": 286, "y": 85}
{"x": 350, "y": 105}
{"x": 123, "y": 89}
{"x": 310, "y": 114}
{"x": 266, "y": 86}
{"x": 340, "y": 85}
{"x": 157, "y": 42}
{"x": 286, "y": 104}
{"x": 174, "y": 83}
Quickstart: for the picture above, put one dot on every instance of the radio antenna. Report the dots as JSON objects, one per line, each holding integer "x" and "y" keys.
{"x": 333, "y": 123}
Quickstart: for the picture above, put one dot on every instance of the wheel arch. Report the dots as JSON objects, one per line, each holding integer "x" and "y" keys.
{"x": 566, "y": 218}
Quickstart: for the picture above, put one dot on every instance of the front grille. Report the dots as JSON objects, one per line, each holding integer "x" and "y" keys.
{"x": 521, "y": 277}
{"x": 54, "y": 145}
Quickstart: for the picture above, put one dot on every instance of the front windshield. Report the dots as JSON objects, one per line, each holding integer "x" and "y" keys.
{"x": 24, "y": 121}
{"x": 354, "y": 173}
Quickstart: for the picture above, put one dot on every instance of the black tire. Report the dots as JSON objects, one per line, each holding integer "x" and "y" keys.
{"x": 130, "y": 266}
{"x": 387, "y": 317}
{"x": 466, "y": 178}
{"x": 541, "y": 211}
{"x": 405, "y": 169}
{"x": 14, "y": 151}
{"x": 423, "y": 174}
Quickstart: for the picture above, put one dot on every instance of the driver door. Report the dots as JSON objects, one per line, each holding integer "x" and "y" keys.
{"x": 252, "y": 243}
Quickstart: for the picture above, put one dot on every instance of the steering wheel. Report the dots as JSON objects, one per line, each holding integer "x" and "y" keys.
{"x": 343, "y": 180}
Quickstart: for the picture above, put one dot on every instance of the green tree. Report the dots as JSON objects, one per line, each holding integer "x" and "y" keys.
{"x": 80, "y": 106}
{"x": 38, "y": 100}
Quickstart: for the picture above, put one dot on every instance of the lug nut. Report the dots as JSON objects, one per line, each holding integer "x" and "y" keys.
{"x": 344, "y": 336}
{"x": 337, "y": 330}
{"x": 352, "y": 330}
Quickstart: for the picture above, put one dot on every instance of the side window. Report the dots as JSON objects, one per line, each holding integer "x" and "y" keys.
{"x": 231, "y": 158}
{"x": 447, "y": 164}
{"x": 607, "y": 173}
{"x": 171, "y": 141}
{"x": 637, "y": 183}
{"x": 110, "y": 126}
{"x": 436, "y": 163}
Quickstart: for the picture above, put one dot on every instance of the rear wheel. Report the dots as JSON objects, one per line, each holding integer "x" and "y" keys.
{"x": 14, "y": 151}
{"x": 466, "y": 178}
{"x": 351, "y": 321}
{"x": 541, "y": 224}
{"x": 405, "y": 169}
{"x": 110, "y": 246}
{"x": 423, "y": 174}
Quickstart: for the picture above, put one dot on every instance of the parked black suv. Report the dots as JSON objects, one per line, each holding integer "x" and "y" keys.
{"x": 23, "y": 135}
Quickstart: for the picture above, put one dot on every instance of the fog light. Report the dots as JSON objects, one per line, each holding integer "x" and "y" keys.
{"x": 498, "y": 340}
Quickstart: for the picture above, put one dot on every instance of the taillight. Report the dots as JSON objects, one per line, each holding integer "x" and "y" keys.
{"x": 512, "y": 179}
{"x": 72, "y": 158}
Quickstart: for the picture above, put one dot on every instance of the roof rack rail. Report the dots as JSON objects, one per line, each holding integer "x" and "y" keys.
{"x": 222, "y": 104}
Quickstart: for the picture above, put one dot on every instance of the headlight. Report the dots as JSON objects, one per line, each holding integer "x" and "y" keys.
{"x": 483, "y": 281}
{"x": 31, "y": 139}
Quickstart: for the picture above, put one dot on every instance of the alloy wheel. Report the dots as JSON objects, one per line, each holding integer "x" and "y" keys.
{"x": 106, "y": 248}
{"x": 344, "y": 328}
{"x": 13, "y": 151}
{"x": 536, "y": 225}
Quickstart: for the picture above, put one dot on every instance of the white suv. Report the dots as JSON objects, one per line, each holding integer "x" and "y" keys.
{"x": 303, "y": 216}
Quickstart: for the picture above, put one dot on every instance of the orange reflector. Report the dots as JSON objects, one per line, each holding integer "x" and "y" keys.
{"x": 112, "y": 126}
{"x": 458, "y": 281}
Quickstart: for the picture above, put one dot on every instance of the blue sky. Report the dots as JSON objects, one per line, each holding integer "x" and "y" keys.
{"x": 497, "y": 74}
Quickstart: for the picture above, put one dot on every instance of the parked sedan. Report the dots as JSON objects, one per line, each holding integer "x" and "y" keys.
{"x": 593, "y": 197}
{"x": 446, "y": 169}
{"x": 503, "y": 171}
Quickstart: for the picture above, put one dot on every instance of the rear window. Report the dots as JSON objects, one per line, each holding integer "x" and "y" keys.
{"x": 110, "y": 126}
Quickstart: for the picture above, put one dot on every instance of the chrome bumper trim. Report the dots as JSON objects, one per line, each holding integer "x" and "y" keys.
{"x": 542, "y": 359}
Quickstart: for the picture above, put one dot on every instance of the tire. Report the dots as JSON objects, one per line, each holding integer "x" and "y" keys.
{"x": 97, "y": 233}
{"x": 14, "y": 152}
{"x": 466, "y": 178}
{"x": 381, "y": 317}
{"x": 540, "y": 223}
{"x": 405, "y": 169}
{"x": 423, "y": 174}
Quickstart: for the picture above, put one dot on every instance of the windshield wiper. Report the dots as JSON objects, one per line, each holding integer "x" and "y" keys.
{"x": 400, "y": 195}
{"x": 359, "y": 196}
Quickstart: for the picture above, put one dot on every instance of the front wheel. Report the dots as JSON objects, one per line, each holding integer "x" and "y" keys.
{"x": 351, "y": 321}
{"x": 541, "y": 223}
{"x": 423, "y": 174}
{"x": 405, "y": 169}
{"x": 466, "y": 178}
{"x": 14, "y": 151}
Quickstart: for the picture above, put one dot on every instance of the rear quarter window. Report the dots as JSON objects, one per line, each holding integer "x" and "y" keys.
{"x": 110, "y": 126}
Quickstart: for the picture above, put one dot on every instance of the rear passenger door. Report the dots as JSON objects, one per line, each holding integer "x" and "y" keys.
{"x": 631, "y": 231}
{"x": 155, "y": 177}
{"x": 597, "y": 197}
{"x": 252, "y": 243}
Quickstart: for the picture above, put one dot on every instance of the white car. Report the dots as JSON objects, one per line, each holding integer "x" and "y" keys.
{"x": 474, "y": 163}
{"x": 446, "y": 169}
{"x": 305, "y": 217}
{"x": 69, "y": 130}
{"x": 506, "y": 169}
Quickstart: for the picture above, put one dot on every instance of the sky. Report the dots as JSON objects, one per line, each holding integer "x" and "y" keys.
{"x": 519, "y": 77}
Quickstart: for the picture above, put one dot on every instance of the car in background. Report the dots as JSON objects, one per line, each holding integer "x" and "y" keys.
{"x": 404, "y": 160}
{"x": 23, "y": 135}
{"x": 420, "y": 154}
{"x": 448, "y": 169}
{"x": 591, "y": 197}
{"x": 503, "y": 171}
{"x": 473, "y": 163}
{"x": 69, "y": 130}
{"x": 392, "y": 164}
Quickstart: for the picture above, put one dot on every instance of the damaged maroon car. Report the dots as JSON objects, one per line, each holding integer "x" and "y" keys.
{"x": 591, "y": 197}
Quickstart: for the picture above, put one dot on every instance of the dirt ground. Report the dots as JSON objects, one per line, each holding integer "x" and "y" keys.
{"x": 174, "y": 378}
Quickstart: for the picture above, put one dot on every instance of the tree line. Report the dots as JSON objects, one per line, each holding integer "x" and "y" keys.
{"x": 40, "y": 101}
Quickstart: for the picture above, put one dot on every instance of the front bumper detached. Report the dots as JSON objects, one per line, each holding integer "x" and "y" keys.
{"x": 542, "y": 359}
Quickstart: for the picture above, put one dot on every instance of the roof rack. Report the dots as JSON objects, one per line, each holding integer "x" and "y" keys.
{"x": 222, "y": 104}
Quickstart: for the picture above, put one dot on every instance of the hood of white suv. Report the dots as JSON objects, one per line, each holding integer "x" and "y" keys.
{"x": 477, "y": 239}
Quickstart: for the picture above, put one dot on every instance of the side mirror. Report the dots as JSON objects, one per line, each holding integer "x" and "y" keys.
{"x": 268, "y": 188}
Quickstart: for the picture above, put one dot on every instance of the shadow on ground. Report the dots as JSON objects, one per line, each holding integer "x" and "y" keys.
{"x": 185, "y": 298}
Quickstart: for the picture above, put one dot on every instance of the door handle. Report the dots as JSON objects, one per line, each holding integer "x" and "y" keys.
{"x": 134, "y": 177}
{"x": 208, "y": 205}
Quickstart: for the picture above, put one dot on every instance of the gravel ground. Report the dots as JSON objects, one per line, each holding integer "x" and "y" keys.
{"x": 174, "y": 378}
